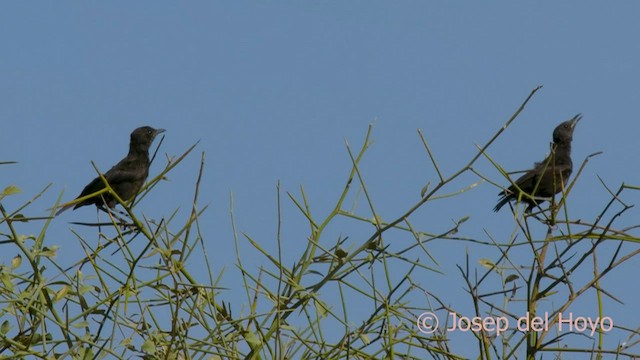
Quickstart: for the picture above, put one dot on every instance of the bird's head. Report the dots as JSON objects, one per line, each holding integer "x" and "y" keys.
{"x": 564, "y": 132}
{"x": 143, "y": 136}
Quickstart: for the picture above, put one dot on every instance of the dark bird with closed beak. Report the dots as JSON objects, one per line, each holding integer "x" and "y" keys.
{"x": 126, "y": 177}
{"x": 548, "y": 177}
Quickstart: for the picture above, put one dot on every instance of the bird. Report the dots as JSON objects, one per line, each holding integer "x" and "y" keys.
{"x": 125, "y": 178}
{"x": 547, "y": 177}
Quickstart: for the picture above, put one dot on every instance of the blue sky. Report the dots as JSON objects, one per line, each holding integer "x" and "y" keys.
{"x": 273, "y": 89}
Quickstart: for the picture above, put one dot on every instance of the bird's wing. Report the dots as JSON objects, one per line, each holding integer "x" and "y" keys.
{"x": 117, "y": 176}
{"x": 114, "y": 176}
{"x": 94, "y": 186}
{"x": 526, "y": 181}
{"x": 128, "y": 169}
{"x": 545, "y": 180}
{"x": 553, "y": 179}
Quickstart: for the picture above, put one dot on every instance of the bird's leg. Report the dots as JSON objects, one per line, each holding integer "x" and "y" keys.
{"x": 116, "y": 211}
{"x": 540, "y": 213}
{"x": 123, "y": 223}
{"x": 536, "y": 214}
{"x": 116, "y": 214}
{"x": 102, "y": 208}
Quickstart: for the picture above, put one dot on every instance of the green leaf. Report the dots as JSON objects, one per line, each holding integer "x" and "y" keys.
{"x": 364, "y": 338}
{"x": 487, "y": 263}
{"x": 20, "y": 217}
{"x": 125, "y": 342}
{"x": 86, "y": 353}
{"x": 424, "y": 189}
{"x": 550, "y": 293}
{"x": 6, "y": 281}
{"x": 61, "y": 293}
{"x": 16, "y": 261}
{"x": 11, "y": 190}
{"x": 510, "y": 278}
{"x": 321, "y": 308}
{"x": 340, "y": 253}
{"x": 252, "y": 339}
{"x": 5, "y": 327}
{"x": 149, "y": 347}
{"x": 49, "y": 252}
{"x": 81, "y": 324}
{"x": 85, "y": 289}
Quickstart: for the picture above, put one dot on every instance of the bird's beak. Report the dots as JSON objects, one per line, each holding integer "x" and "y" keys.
{"x": 160, "y": 131}
{"x": 575, "y": 120}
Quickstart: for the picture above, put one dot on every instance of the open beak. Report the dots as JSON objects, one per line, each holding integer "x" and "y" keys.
{"x": 575, "y": 120}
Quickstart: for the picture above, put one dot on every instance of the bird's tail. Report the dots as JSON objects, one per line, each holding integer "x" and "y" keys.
{"x": 63, "y": 209}
{"x": 503, "y": 200}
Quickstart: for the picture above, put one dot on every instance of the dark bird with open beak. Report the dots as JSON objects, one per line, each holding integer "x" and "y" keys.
{"x": 549, "y": 176}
